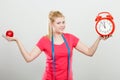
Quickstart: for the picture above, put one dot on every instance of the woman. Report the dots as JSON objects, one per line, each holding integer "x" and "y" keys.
{"x": 58, "y": 47}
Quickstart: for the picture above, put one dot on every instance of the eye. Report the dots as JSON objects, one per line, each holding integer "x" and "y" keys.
{"x": 58, "y": 22}
{"x": 63, "y": 22}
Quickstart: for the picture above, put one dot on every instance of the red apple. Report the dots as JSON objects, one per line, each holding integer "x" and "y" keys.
{"x": 9, "y": 33}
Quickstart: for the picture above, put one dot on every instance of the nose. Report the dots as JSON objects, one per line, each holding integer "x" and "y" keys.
{"x": 62, "y": 25}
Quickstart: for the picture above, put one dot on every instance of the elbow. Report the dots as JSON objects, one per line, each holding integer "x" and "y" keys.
{"x": 90, "y": 53}
{"x": 28, "y": 60}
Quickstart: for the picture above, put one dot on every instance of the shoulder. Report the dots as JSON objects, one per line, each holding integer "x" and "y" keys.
{"x": 43, "y": 39}
{"x": 69, "y": 35}
{"x": 72, "y": 39}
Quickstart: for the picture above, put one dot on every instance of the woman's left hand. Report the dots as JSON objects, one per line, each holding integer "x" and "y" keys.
{"x": 105, "y": 37}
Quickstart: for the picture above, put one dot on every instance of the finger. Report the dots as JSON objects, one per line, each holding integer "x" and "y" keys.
{"x": 110, "y": 36}
{"x": 6, "y": 37}
{"x": 104, "y": 37}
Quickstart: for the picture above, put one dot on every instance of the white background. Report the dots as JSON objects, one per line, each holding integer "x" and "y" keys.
{"x": 29, "y": 21}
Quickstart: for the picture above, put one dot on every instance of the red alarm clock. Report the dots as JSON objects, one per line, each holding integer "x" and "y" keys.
{"x": 104, "y": 24}
{"x": 9, "y": 33}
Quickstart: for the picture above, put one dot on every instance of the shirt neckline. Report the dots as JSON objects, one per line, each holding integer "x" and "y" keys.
{"x": 54, "y": 43}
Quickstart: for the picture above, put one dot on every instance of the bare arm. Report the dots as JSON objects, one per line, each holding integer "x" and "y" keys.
{"x": 28, "y": 56}
{"x": 89, "y": 51}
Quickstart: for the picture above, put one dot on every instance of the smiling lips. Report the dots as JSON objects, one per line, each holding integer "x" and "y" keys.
{"x": 62, "y": 28}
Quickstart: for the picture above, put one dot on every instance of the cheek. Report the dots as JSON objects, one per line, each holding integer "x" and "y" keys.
{"x": 56, "y": 26}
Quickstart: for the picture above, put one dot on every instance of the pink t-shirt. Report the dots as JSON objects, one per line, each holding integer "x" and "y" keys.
{"x": 61, "y": 57}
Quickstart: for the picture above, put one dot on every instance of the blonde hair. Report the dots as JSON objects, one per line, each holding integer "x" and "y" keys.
{"x": 52, "y": 16}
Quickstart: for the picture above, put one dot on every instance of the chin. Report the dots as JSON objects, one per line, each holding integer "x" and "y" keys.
{"x": 61, "y": 32}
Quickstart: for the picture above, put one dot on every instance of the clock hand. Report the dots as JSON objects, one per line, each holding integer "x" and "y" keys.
{"x": 103, "y": 24}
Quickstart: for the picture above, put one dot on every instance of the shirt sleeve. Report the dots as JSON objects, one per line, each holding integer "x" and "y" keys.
{"x": 74, "y": 40}
{"x": 40, "y": 44}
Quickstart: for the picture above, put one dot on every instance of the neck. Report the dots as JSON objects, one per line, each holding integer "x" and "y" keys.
{"x": 58, "y": 38}
{"x": 57, "y": 35}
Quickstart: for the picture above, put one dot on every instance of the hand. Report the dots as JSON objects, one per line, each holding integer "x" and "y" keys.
{"x": 9, "y": 38}
{"x": 105, "y": 37}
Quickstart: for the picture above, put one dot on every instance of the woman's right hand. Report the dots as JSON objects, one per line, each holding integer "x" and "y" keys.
{"x": 9, "y": 38}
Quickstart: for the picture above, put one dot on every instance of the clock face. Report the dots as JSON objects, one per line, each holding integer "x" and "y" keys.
{"x": 104, "y": 27}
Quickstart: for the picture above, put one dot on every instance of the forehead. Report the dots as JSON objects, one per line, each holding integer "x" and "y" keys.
{"x": 59, "y": 19}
